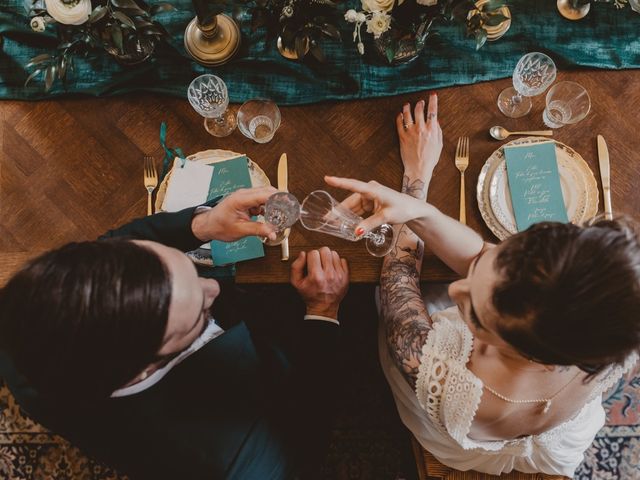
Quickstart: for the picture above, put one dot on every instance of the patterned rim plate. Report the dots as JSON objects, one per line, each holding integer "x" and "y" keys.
{"x": 579, "y": 188}
{"x": 202, "y": 256}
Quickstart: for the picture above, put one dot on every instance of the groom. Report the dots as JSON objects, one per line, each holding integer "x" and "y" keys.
{"x": 109, "y": 343}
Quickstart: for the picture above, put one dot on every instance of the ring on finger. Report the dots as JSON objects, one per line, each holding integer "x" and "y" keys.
{"x": 406, "y": 125}
{"x": 431, "y": 116}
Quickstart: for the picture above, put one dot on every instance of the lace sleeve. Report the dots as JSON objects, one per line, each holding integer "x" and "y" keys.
{"x": 446, "y": 390}
{"x": 611, "y": 376}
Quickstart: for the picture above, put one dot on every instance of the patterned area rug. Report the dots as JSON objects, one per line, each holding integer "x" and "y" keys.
{"x": 615, "y": 453}
{"x": 368, "y": 440}
{"x": 30, "y": 452}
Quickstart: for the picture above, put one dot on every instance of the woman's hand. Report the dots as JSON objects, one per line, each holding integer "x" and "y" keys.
{"x": 420, "y": 139}
{"x": 385, "y": 204}
{"x": 230, "y": 219}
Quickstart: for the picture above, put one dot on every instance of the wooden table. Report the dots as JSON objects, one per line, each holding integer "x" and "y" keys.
{"x": 70, "y": 169}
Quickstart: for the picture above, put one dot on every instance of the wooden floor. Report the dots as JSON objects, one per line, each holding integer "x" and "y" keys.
{"x": 70, "y": 169}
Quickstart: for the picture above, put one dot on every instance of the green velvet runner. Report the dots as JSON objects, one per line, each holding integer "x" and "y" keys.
{"x": 605, "y": 38}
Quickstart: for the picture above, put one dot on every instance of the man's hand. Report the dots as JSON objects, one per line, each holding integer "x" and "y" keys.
{"x": 230, "y": 220}
{"x": 325, "y": 283}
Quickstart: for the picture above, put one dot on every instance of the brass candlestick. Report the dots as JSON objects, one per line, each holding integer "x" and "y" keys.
{"x": 571, "y": 12}
{"x": 213, "y": 43}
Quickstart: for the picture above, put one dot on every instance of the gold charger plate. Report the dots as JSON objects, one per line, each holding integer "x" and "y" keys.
{"x": 578, "y": 183}
{"x": 202, "y": 256}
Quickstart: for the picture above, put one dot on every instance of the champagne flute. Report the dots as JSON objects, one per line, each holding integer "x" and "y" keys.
{"x": 323, "y": 213}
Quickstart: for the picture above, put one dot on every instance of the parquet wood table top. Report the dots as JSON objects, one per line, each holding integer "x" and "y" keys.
{"x": 71, "y": 169}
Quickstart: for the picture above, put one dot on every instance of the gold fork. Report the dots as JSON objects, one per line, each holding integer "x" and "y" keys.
{"x": 462, "y": 162}
{"x": 150, "y": 180}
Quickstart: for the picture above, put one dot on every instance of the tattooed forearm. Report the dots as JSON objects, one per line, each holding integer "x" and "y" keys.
{"x": 416, "y": 188}
{"x": 403, "y": 313}
{"x": 405, "y": 318}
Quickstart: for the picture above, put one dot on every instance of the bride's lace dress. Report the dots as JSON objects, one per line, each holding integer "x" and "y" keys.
{"x": 441, "y": 410}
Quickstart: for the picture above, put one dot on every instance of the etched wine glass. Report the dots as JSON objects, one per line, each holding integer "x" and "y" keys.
{"x": 321, "y": 212}
{"x": 281, "y": 210}
{"x": 209, "y": 97}
{"x": 534, "y": 73}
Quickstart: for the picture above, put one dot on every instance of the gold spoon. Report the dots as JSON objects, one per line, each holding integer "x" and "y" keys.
{"x": 500, "y": 133}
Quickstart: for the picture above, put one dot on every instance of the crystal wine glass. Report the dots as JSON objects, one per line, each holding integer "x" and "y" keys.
{"x": 281, "y": 210}
{"x": 322, "y": 213}
{"x": 208, "y": 96}
{"x": 533, "y": 74}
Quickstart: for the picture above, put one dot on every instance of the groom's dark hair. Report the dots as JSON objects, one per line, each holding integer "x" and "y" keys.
{"x": 570, "y": 295}
{"x": 85, "y": 319}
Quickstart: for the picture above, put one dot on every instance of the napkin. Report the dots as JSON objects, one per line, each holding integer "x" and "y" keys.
{"x": 188, "y": 186}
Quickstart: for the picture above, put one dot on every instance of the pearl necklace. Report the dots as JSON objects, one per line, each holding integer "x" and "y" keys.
{"x": 546, "y": 401}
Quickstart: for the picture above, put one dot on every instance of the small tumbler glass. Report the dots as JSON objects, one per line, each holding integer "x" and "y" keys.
{"x": 282, "y": 210}
{"x": 209, "y": 97}
{"x": 567, "y": 103}
{"x": 258, "y": 119}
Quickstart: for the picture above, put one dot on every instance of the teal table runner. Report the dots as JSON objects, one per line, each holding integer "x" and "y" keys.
{"x": 606, "y": 38}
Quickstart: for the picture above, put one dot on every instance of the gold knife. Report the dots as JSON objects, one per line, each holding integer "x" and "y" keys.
{"x": 283, "y": 174}
{"x": 605, "y": 176}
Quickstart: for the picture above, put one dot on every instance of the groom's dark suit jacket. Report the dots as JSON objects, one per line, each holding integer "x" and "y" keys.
{"x": 241, "y": 407}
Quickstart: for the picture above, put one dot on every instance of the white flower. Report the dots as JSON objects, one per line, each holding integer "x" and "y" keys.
{"x": 69, "y": 12}
{"x": 351, "y": 16}
{"x": 361, "y": 48}
{"x": 427, "y": 3}
{"x": 287, "y": 11}
{"x": 377, "y": 5}
{"x": 361, "y": 18}
{"x": 635, "y": 5}
{"x": 378, "y": 24}
{"x": 38, "y": 24}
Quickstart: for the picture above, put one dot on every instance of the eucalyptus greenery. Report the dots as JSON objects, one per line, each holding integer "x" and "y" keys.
{"x": 300, "y": 24}
{"x": 413, "y": 23}
{"x": 124, "y": 28}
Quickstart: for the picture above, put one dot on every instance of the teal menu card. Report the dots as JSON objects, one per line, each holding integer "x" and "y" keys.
{"x": 229, "y": 176}
{"x": 534, "y": 183}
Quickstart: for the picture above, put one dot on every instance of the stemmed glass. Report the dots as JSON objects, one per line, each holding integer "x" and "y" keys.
{"x": 281, "y": 210}
{"x": 322, "y": 213}
{"x": 208, "y": 96}
{"x": 533, "y": 74}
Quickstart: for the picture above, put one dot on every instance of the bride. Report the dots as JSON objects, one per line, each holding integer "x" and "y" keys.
{"x": 512, "y": 376}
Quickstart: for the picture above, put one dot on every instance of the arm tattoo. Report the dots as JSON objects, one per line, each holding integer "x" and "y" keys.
{"x": 405, "y": 317}
{"x": 415, "y": 188}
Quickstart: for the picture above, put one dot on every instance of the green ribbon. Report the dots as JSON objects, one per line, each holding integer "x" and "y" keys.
{"x": 169, "y": 154}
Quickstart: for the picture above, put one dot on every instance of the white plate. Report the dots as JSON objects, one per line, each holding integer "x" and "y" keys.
{"x": 579, "y": 188}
